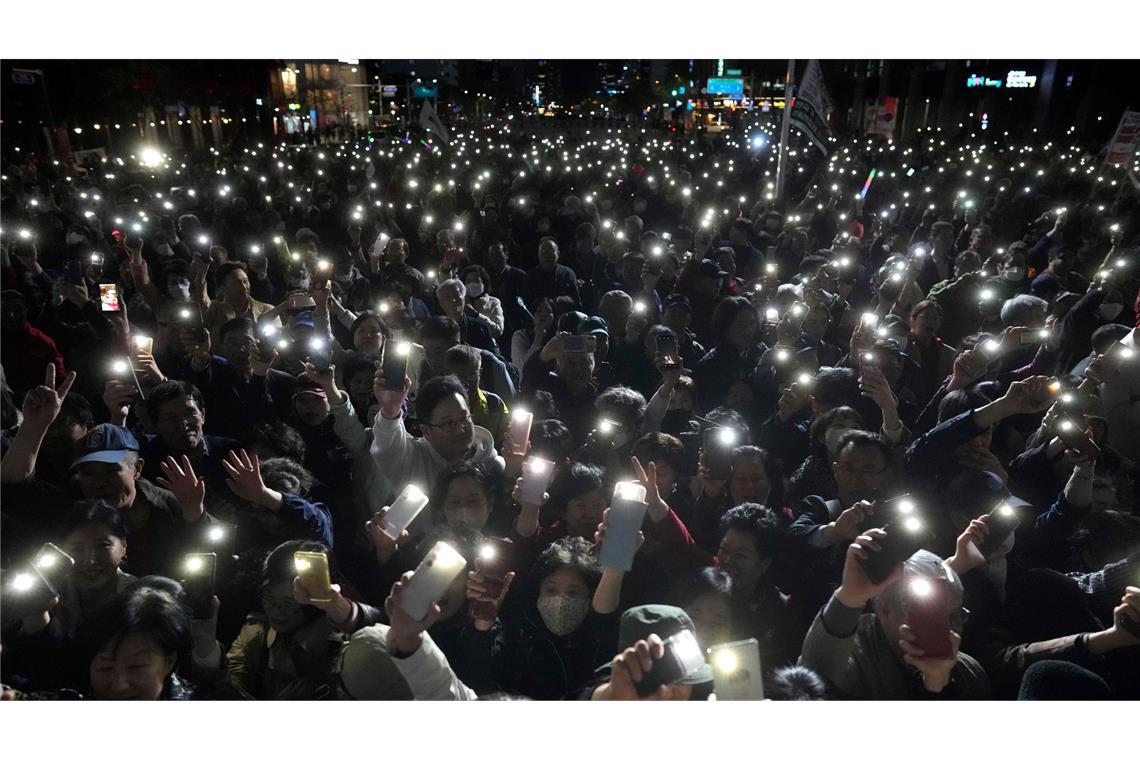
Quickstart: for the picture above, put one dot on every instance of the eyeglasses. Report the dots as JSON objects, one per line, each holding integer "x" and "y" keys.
{"x": 853, "y": 471}
{"x": 454, "y": 425}
{"x": 278, "y": 603}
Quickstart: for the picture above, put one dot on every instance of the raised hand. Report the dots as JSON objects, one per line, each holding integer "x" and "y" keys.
{"x": 118, "y": 397}
{"x": 42, "y": 404}
{"x": 245, "y": 479}
{"x": 856, "y": 589}
{"x": 630, "y": 667}
{"x": 391, "y": 402}
{"x": 404, "y": 633}
{"x": 187, "y": 487}
{"x": 1028, "y": 396}
{"x": 381, "y": 541}
{"x": 846, "y": 526}
{"x": 658, "y": 509}
{"x": 338, "y": 609}
{"x": 935, "y": 672}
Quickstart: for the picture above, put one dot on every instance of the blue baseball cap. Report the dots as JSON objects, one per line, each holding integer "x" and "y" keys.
{"x": 105, "y": 443}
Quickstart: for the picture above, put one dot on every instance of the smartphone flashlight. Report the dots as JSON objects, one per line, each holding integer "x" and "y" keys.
{"x": 639, "y": 307}
{"x": 804, "y": 379}
{"x": 896, "y": 277}
{"x": 324, "y": 265}
{"x": 986, "y": 295}
{"x": 120, "y": 367}
{"x": 268, "y": 330}
{"x": 727, "y": 437}
{"x": 23, "y": 582}
{"x": 772, "y": 315}
{"x": 782, "y": 356}
{"x": 605, "y": 427}
{"x": 770, "y": 268}
{"x": 195, "y": 564}
{"x": 216, "y": 535}
{"x": 991, "y": 346}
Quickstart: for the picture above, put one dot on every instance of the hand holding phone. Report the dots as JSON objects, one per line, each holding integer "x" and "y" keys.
{"x": 199, "y": 578}
{"x": 431, "y": 579}
{"x": 313, "y": 573}
{"x": 900, "y": 538}
{"x": 737, "y": 675}
{"x": 682, "y": 658}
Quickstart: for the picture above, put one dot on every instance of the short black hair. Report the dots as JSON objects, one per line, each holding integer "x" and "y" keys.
{"x": 279, "y": 437}
{"x": 245, "y": 324}
{"x": 435, "y": 391}
{"x": 443, "y": 328}
{"x": 795, "y": 683}
{"x": 660, "y": 447}
{"x": 478, "y": 271}
{"x": 77, "y": 409}
{"x": 574, "y": 481}
{"x": 94, "y": 512}
{"x": 572, "y": 552}
{"x": 628, "y": 402}
{"x": 551, "y": 439}
{"x": 707, "y": 580}
{"x": 758, "y": 520}
{"x": 364, "y": 316}
{"x": 864, "y": 438}
{"x": 169, "y": 391}
{"x": 461, "y": 470}
{"x": 836, "y": 386}
{"x": 355, "y": 365}
{"x": 141, "y": 610}
{"x": 958, "y": 401}
{"x": 286, "y": 475}
{"x": 225, "y": 270}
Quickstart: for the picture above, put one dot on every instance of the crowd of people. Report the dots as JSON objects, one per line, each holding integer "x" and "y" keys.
{"x": 882, "y": 421}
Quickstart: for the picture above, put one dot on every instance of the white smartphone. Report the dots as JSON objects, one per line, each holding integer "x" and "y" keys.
{"x": 430, "y": 580}
{"x": 403, "y": 511}
{"x": 736, "y": 671}
{"x": 627, "y": 512}
{"x": 536, "y": 477}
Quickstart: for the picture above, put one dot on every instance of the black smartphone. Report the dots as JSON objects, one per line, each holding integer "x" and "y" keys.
{"x": 1003, "y": 521}
{"x": 54, "y": 565}
{"x": 395, "y": 364}
{"x": 1071, "y": 434}
{"x": 667, "y": 345}
{"x": 682, "y": 657}
{"x": 719, "y": 444}
{"x": 26, "y": 593}
{"x": 200, "y": 571}
{"x": 73, "y": 271}
{"x": 905, "y": 536}
{"x": 190, "y": 317}
{"x": 320, "y": 355}
{"x": 691, "y": 441}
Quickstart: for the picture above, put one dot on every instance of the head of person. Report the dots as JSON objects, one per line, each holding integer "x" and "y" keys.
{"x": 861, "y": 466}
{"x": 750, "y": 537}
{"x": 465, "y": 362}
{"x": 476, "y": 280}
{"x": 925, "y": 320}
{"x": 829, "y": 427}
{"x": 284, "y": 613}
{"x": 95, "y": 536}
{"x": 369, "y": 332}
{"x": 69, "y": 427}
{"x": 14, "y": 310}
{"x": 445, "y": 417}
{"x": 631, "y": 265}
{"x": 615, "y": 306}
{"x": 176, "y": 280}
{"x": 396, "y": 252}
{"x": 134, "y": 643}
{"x": 667, "y": 454}
{"x": 753, "y": 478}
{"x": 684, "y": 395}
{"x": 677, "y": 313}
{"x": 342, "y": 264}
{"x": 108, "y": 465}
{"x": 624, "y": 406}
{"x": 277, "y": 439}
{"x": 709, "y": 278}
{"x": 463, "y": 497}
{"x": 178, "y": 413}
{"x": 452, "y": 296}
{"x": 238, "y": 340}
{"x": 942, "y": 237}
{"x": 982, "y": 240}
{"x": 578, "y": 496}
{"x": 795, "y": 683}
{"x": 567, "y": 573}
{"x": 233, "y": 280}
{"x": 548, "y": 254}
{"x": 437, "y": 334}
{"x": 1024, "y": 311}
{"x": 817, "y": 322}
{"x": 497, "y": 257}
{"x": 585, "y": 236}
{"x": 919, "y": 571}
{"x": 311, "y": 404}
{"x": 736, "y": 323}
{"x": 576, "y": 369}
{"x": 706, "y": 597}
{"x": 967, "y": 261}
{"x": 963, "y": 400}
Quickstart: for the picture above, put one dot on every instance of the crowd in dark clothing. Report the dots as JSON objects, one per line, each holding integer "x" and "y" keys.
{"x": 198, "y": 372}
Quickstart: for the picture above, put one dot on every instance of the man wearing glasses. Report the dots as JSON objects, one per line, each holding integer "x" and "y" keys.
{"x": 449, "y": 435}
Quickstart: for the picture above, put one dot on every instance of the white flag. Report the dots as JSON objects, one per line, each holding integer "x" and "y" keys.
{"x": 812, "y": 106}
{"x": 429, "y": 120}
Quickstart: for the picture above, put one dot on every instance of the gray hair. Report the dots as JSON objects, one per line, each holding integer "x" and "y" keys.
{"x": 453, "y": 283}
{"x": 921, "y": 564}
{"x": 1024, "y": 311}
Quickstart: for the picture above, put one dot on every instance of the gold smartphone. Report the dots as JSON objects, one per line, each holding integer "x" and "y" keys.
{"x": 313, "y": 570}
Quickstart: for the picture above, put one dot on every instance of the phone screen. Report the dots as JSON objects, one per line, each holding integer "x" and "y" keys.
{"x": 54, "y": 565}
{"x": 313, "y": 571}
{"x": 199, "y": 576}
{"x": 109, "y": 297}
{"x": 73, "y": 271}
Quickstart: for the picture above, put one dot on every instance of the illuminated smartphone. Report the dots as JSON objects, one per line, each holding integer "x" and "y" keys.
{"x": 905, "y": 536}
{"x": 627, "y": 513}
{"x": 1074, "y": 437}
{"x": 431, "y": 579}
{"x": 869, "y": 364}
{"x": 518, "y": 433}
{"x": 321, "y": 276}
{"x": 395, "y": 364}
{"x": 109, "y": 297}
{"x": 313, "y": 572}
{"x": 191, "y": 318}
{"x": 496, "y": 557}
{"x": 320, "y": 355}
{"x": 682, "y": 657}
{"x": 54, "y": 565}
{"x": 736, "y": 671}
{"x": 667, "y": 345}
{"x": 719, "y": 444}
{"x": 199, "y": 576}
{"x": 580, "y": 344}
{"x": 26, "y": 593}
{"x": 144, "y": 344}
{"x": 220, "y": 538}
{"x": 929, "y": 603}
{"x": 1035, "y": 337}
{"x": 1003, "y": 521}
{"x": 536, "y": 476}
{"x": 403, "y": 511}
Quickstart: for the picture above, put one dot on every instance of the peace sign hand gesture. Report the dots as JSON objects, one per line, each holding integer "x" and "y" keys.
{"x": 42, "y": 404}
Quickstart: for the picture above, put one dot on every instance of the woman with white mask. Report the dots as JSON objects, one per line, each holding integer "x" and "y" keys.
{"x": 487, "y": 306}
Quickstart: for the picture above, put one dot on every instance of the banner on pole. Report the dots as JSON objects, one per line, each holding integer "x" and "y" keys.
{"x": 811, "y": 107}
{"x": 429, "y": 120}
{"x": 879, "y": 117}
{"x": 1123, "y": 144}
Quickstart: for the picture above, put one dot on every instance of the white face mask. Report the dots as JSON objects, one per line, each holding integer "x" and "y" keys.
{"x": 181, "y": 291}
{"x": 562, "y": 614}
{"x": 474, "y": 289}
{"x": 1111, "y": 311}
{"x": 1014, "y": 274}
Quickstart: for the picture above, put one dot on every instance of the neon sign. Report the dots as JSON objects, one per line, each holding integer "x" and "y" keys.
{"x": 1019, "y": 80}
{"x": 974, "y": 80}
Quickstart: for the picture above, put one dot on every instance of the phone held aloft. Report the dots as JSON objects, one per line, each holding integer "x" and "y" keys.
{"x": 929, "y": 604}
{"x": 737, "y": 675}
{"x": 313, "y": 572}
{"x": 1003, "y": 522}
{"x": 495, "y": 557}
{"x": 395, "y": 364}
{"x": 627, "y": 512}
{"x": 906, "y": 534}
{"x": 431, "y": 579}
{"x": 200, "y": 576}
{"x": 403, "y": 511}
{"x": 536, "y": 477}
{"x": 519, "y": 431}
{"x": 682, "y": 658}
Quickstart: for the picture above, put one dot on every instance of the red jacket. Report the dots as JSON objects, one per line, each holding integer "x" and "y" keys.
{"x": 25, "y": 354}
